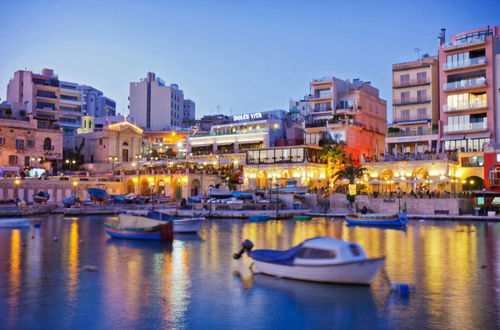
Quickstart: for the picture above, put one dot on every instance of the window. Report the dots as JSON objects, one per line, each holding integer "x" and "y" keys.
{"x": 26, "y": 160}
{"x": 2, "y": 141}
{"x": 404, "y": 79}
{"x": 12, "y": 160}
{"x": 311, "y": 253}
{"x": 405, "y": 97}
{"x": 421, "y": 77}
{"x": 47, "y": 144}
{"x": 405, "y": 114}
{"x": 422, "y": 95}
{"x": 354, "y": 250}
{"x": 422, "y": 113}
{"x": 19, "y": 144}
{"x": 31, "y": 143}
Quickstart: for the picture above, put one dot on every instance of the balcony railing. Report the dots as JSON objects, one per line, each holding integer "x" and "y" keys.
{"x": 325, "y": 95}
{"x": 409, "y": 83}
{"x": 412, "y": 117}
{"x": 465, "y": 127}
{"x": 412, "y": 100}
{"x": 464, "y": 64}
{"x": 464, "y": 42}
{"x": 477, "y": 82}
{"x": 413, "y": 133}
{"x": 464, "y": 106}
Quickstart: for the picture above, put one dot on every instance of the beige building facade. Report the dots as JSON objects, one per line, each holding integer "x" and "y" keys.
{"x": 415, "y": 108}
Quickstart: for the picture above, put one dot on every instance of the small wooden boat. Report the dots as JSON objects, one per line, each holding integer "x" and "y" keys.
{"x": 97, "y": 194}
{"x": 41, "y": 197}
{"x": 180, "y": 225}
{"x": 399, "y": 219}
{"x": 257, "y": 218}
{"x": 302, "y": 217}
{"x": 319, "y": 259}
{"x": 14, "y": 222}
{"x": 141, "y": 227}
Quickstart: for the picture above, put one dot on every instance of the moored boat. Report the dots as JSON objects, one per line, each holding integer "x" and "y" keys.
{"x": 41, "y": 197}
{"x": 180, "y": 225}
{"x": 399, "y": 219}
{"x": 148, "y": 227}
{"x": 302, "y": 217}
{"x": 257, "y": 218}
{"x": 319, "y": 259}
{"x": 97, "y": 194}
{"x": 15, "y": 222}
{"x": 70, "y": 201}
{"x": 291, "y": 187}
{"x": 219, "y": 193}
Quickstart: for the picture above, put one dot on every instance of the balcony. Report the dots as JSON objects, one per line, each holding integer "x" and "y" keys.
{"x": 478, "y": 40}
{"x": 319, "y": 96}
{"x": 410, "y": 83}
{"x": 470, "y": 83}
{"x": 413, "y": 133}
{"x": 479, "y": 126}
{"x": 412, "y": 118}
{"x": 465, "y": 106}
{"x": 471, "y": 62}
{"x": 46, "y": 94}
{"x": 411, "y": 100}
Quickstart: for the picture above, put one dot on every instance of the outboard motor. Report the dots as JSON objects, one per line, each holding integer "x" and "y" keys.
{"x": 246, "y": 246}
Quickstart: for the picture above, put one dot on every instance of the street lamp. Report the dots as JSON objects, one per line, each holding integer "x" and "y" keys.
{"x": 399, "y": 199}
{"x": 113, "y": 160}
{"x": 75, "y": 184}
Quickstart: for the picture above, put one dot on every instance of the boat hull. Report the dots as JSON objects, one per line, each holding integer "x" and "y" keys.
{"x": 257, "y": 218}
{"x": 187, "y": 225}
{"x": 355, "y": 272}
{"x": 382, "y": 220}
{"x": 302, "y": 217}
{"x": 163, "y": 232}
{"x": 14, "y": 223}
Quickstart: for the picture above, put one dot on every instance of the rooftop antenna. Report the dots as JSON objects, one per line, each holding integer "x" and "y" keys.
{"x": 417, "y": 50}
{"x": 218, "y": 109}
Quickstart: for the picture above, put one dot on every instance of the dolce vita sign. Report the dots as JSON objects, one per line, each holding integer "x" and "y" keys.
{"x": 247, "y": 116}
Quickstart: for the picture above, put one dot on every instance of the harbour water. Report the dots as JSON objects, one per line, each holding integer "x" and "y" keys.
{"x": 453, "y": 269}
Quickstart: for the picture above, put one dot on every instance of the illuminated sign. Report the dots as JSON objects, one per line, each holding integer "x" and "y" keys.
{"x": 247, "y": 116}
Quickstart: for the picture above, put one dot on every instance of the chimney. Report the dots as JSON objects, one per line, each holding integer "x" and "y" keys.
{"x": 442, "y": 37}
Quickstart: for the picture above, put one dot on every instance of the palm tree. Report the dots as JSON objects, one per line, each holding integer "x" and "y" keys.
{"x": 350, "y": 173}
{"x": 333, "y": 155}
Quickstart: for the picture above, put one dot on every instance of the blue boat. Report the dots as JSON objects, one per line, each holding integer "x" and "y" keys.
{"x": 148, "y": 227}
{"x": 97, "y": 194}
{"x": 41, "y": 197}
{"x": 399, "y": 219}
{"x": 242, "y": 194}
{"x": 70, "y": 201}
{"x": 117, "y": 199}
{"x": 258, "y": 218}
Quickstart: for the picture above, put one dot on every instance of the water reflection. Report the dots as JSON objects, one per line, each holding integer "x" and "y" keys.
{"x": 454, "y": 268}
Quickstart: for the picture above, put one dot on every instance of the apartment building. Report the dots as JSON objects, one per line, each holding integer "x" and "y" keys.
{"x": 52, "y": 102}
{"x": 415, "y": 106}
{"x": 156, "y": 106}
{"x": 25, "y": 145}
{"x": 351, "y": 113}
{"x": 469, "y": 97}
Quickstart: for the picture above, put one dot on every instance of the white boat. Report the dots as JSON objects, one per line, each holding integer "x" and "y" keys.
{"x": 319, "y": 259}
{"x": 219, "y": 193}
{"x": 290, "y": 188}
{"x": 187, "y": 225}
{"x": 15, "y": 222}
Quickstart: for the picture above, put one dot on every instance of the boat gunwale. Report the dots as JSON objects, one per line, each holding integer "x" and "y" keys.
{"x": 327, "y": 265}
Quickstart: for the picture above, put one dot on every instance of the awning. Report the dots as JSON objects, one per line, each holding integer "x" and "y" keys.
{"x": 452, "y": 137}
{"x": 478, "y": 135}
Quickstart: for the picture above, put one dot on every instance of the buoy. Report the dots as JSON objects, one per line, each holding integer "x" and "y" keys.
{"x": 402, "y": 288}
{"x": 55, "y": 238}
{"x": 90, "y": 268}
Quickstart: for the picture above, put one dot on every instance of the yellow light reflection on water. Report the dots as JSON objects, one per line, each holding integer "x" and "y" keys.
{"x": 14, "y": 273}
{"x": 73, "y": 261}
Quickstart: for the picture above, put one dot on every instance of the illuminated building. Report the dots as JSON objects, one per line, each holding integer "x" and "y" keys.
{"x": 276, "y": 165}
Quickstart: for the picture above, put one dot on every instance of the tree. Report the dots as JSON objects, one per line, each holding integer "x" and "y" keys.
{"x": 334, "y": 155}
{"x": 350, "y": 173}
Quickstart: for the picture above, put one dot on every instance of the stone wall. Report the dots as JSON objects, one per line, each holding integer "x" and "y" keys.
{"x": 455, "y": 206}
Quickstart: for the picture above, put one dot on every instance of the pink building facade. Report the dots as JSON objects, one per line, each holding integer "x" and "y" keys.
{"x": 469, "y": 94}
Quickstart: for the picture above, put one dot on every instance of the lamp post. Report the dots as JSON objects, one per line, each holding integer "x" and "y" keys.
{"x": 399, "y": 199}
{"x": 75, "y": 185}
{"x": 277, "y": 199}
{"x": 113, "y": 160}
